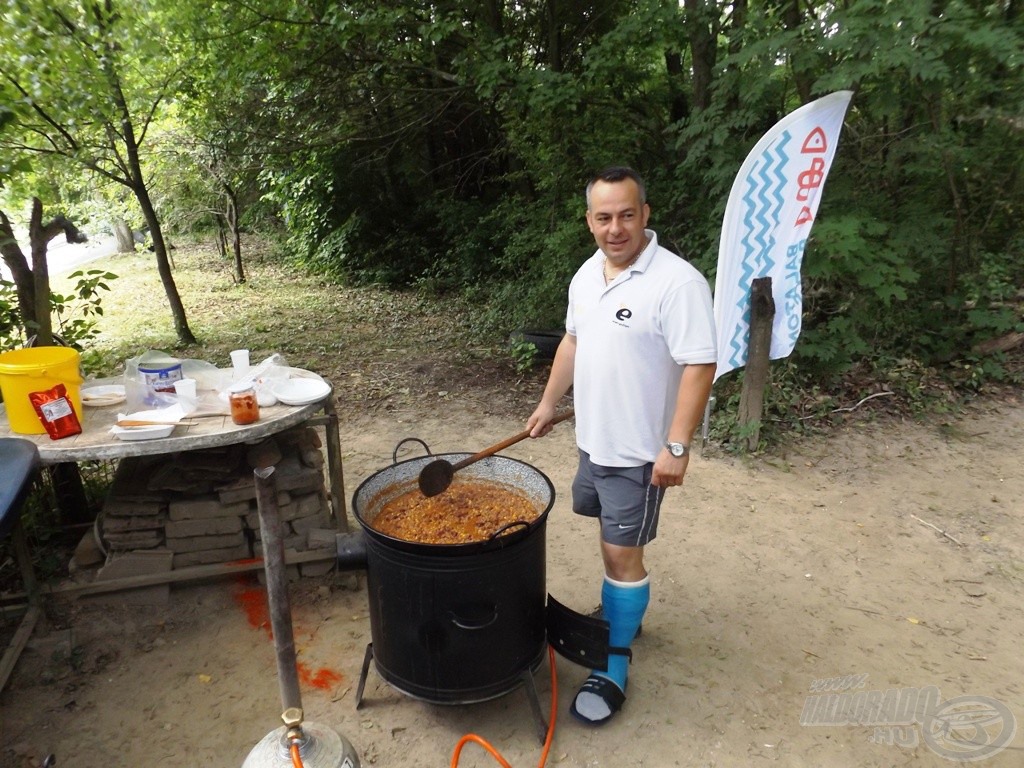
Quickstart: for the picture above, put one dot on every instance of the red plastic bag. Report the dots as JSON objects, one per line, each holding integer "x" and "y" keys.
{"x": 56, "y": 412}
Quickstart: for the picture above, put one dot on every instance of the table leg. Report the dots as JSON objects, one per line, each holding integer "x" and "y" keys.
{"x": 69, "y": 493}
{"x": 335, "y": 471}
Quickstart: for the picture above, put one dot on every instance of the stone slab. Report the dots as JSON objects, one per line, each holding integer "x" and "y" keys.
{"x": 88, "y": 551}
{"x": 204, "y": 509}
{"x": 206, "y": 543}
{"x": 312, "y": 457}
{"x": 312, "y": 570}
{"x": 119, "y": 525}
{"x": 117, "y": 506}
{"x": 134, "y": 540}
{"x": 322, "y": 538}
{"x": 303, "y": 525}
{"x": 136, "y": 563}
{"x": 291, "y": 542}
{"x": 265, "y": 454}
{"x": 230, "y": 554}
{"x": 214, "y": 526}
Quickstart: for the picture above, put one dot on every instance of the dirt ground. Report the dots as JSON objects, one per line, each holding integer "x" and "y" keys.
{"x": 882, "y": 558}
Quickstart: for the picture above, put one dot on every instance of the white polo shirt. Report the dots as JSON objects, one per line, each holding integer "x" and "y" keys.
{"x": 633, "y": 338}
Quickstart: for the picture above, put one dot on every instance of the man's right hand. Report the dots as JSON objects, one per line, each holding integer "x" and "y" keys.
{"x": 539, "y": 422}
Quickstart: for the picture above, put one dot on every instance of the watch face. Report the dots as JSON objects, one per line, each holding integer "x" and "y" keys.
{"x": 677, "y": 449}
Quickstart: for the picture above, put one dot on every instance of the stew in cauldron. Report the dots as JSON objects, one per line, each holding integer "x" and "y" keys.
{"x": 467, "y": 511}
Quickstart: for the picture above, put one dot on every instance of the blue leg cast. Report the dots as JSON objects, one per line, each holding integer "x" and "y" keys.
{"x": 624, "y": 606}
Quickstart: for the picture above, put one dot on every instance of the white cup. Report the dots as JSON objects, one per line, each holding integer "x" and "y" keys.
{"x": 185, "y": 389}
{"x": 240, "y": 362}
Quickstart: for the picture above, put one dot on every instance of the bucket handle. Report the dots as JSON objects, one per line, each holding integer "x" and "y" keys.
{"x": 403, "y": 441}
{"x": 514, "y": 524}
{"x": 474, "y": 624}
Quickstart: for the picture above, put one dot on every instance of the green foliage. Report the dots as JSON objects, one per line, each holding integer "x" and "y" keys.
{"x": 75, "y": 314}
{"x": 524, "y": 354}
{"x": 11, "y": 330}
{"x": 444, "y": 146}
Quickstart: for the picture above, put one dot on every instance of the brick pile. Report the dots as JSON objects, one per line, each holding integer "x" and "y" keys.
{"x": 201, "y": 505}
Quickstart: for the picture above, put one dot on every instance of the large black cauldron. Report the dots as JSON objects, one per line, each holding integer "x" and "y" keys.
{"x": 456, "y": 624}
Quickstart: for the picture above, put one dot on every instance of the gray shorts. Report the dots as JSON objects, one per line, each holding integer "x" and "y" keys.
{"x": 622, "y": 497}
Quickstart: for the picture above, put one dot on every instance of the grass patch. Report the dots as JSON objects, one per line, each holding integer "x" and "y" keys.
{"x": 379, "y": 348}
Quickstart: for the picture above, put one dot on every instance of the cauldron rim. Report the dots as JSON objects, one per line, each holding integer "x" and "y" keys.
{"x": 468, "y": 548}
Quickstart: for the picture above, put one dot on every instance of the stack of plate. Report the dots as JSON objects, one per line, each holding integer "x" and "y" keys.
{"x": 148, "y": 432}
{"x": 105, "y": 394}
{"x": 300, "y": 390}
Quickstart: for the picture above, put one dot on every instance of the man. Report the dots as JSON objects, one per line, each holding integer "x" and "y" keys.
{"x": 639, "y": 353}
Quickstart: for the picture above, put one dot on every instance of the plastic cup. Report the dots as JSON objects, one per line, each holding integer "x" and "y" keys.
{"x": 185, "y": 389}
{"x": 240, "y": 362}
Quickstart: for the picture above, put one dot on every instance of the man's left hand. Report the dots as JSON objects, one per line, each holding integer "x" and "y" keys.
{"x": 669, "y": 470}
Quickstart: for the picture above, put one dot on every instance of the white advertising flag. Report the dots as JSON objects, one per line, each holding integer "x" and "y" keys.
{"x": 768, "y": 219}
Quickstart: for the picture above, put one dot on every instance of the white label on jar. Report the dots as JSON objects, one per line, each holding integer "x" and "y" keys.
{"x": 161, "y": 381}
{"x": 56, "y": 409}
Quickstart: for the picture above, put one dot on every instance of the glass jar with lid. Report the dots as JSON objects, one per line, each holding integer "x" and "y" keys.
{"x": 245, "y": 409}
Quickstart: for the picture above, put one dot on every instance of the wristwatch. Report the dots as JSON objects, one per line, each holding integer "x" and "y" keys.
{"x": 678, "y": 449}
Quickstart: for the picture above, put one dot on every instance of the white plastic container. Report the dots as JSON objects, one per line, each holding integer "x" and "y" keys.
{"x": 158, "y": 372}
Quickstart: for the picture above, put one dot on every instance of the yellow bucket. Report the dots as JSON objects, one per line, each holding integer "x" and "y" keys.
{"x": 36, "y": 369}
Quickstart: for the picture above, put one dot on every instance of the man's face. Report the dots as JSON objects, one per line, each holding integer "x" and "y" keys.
{"x": 617, "y": 219}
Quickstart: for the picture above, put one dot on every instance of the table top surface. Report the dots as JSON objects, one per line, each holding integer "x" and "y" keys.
{"x": 97, "y": 443}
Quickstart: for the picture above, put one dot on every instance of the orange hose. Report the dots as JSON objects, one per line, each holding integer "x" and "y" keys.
{"x": 296, "y": 755}
{"x": 547, "y": 741}
{"x": 483, "y": 743}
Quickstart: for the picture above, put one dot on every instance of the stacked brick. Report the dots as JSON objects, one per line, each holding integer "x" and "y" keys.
{"x": 201, "y": 505}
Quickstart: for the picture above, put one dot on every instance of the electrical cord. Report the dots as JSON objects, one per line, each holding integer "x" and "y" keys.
{"x": 472, "y": 737}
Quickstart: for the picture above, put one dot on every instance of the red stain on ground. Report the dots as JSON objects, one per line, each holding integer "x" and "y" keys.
{"x": 323, "y": 679}
{"x": 253, "y": 602}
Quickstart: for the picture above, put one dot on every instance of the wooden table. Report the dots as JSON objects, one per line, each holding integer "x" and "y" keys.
{"x": 98, "y": 444}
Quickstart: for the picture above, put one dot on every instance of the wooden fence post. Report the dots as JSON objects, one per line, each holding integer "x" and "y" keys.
{"x": 755, "y": 376}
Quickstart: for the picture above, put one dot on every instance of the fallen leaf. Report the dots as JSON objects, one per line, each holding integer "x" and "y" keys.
{"x": 912, "y": 620}
{"x": 205, "y": 679}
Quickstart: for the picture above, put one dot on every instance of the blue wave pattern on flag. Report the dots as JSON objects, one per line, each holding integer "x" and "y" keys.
{"x": 762, "y": 204}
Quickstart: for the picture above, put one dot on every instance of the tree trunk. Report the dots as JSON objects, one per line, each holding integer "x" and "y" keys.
{"x": 554, "y": 36}
{"x": 493, "y": 13}
{"x": 21, "y": 271}
{"x": 236, "y": 236}
{"x": 41, "y": 275}
{"x": 135, "y": 180}
{"x": 755, "y": 375}
{"x": 123, "y": 234}
{"x": 739, "y": 23}
{"x": 222, "y": 237}
{"x": 793, "y": 19}
{"x": 680, "y": 108}
{"x": 163, "y": 265}
{"x": 702, "y": 33}
{"x": 33, "y": 281}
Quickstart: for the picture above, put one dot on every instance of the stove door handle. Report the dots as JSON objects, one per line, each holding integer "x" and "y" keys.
{"x": 474, "y": 624}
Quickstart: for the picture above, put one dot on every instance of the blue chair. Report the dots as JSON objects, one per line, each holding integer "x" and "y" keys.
{"x": 19, "y": 464}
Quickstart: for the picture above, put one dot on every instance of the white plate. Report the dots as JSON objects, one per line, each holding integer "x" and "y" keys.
{"x": 105, "y": 394}
{"x": 142, "y": 433}
{"x": 301, "y": 391}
